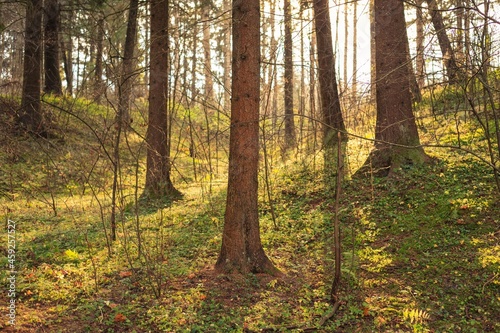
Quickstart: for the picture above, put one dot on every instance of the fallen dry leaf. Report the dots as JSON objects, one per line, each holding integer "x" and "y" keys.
{"x": 125, "y": 274}
{"x": 120, "y": 318}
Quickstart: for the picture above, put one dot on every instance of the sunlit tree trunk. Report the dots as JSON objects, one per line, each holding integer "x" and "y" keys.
{"x": 31, "y": 111}
{"x": 67, "y": 54}
{"x": 312, "y": 93}
{"x": 207, "y": 68}
{"x": 289, "y": 123}
{"x": 303, "y": 94}
{"x": 412, "y": 78}
{"x": 51, "y": 48}
{"x": 241, "y": 245}
{"x": 158, "y": 183}
{"x": 373, "y": 79}
{"x": 420, "y": 62}
{"x": 330, "y": 105}
{"x": 450, "y": 63}
{"x": 227, "y": 55}
{"x": 346, "y": 43}
{"x": 355, "y": 50}
{"x": 397, "y": 141}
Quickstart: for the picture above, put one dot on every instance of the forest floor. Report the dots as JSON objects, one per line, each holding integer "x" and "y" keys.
{"x": 420, "y": 249}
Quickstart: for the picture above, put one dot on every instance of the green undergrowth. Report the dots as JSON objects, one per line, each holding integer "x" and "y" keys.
{"x": 420, "y": 249}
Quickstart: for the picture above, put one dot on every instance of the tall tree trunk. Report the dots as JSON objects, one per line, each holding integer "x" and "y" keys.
{"x": 373, "y": 79}
{"x": 420, "y": 62}
{"x": 450, "y": 63}
{"x": 355, "y": 51}
{"x": 67, "y": 52}
{"x": 416, "y": 95}
{"x": 274, "y": 77}
{"x": 346, "y": 44}
{"x": 227, "y": 56}
{"x": 127, "y": 67}
{"x": 207, "y": 68}
{"x": 330, "y": 104}
{"x": 302, "y": 96}
{"x": 460, "y": 11}
{"x": 396, "y": 135}
{"x": 241, "y": 245}
{"x": 98, "y": 81}
{"x": 31, "y": 110}
{"x": 52, "y": 65}
{"x": 158, "y": 183}
{"x": 312, "y": 93}
{"x": 289, "y": 123}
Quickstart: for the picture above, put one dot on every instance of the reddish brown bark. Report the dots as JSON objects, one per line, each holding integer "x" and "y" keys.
{"x": 330, "y": 105}
{"x": 289, "y": 122}
{"x": 397, "y": 140}
{"x": 241, "y": 244}
{"x": 158, "y": 181}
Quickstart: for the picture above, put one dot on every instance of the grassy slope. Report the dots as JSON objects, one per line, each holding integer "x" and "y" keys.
{"x": 421, "y": 250}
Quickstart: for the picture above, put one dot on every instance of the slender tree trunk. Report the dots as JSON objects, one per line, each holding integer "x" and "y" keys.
{"x": 330, "y": 105}
{"x": 209, "y": 82}
{"x": 373, "y": 78}
{"x": 99, "y": 84}
{"x": 274, "y": 77}
{"x": 346, "y": 44}
{"x": 31, "y": 110}
{"x": 444, "y": 42}
{"x": 355, "y": 51}
{"x": 241, "y": 245}
{"x": 416, "y": 96}
{"x": 127, "y": 69}
{"x": 227, "y": 55}
{"x": 52, "y": 65}
{"x": 420, "y": 62}
{"x": 158, "y": 183}
{"x": 396, "y": 135}
{"x": 67, "y": 53}
{"x": 460, "y": 31}
{"x": 302, "y": 96}
{"x": 312, "y": 92}
{"x": 289, "y": 123}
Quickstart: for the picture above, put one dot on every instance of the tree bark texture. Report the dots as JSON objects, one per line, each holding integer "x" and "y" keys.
{"x": 158, "y": 181}
{"x": 289, "y": 122}
{"x": 396, "y": 131}
{"x": 241, "y": 244}
{"x": 330, "y": 104}
{"x": 127, "y": 70}
{"x": 52, "y": 64}
{"x": 329, "y": 96}
{"x": 99, "y": 84}
{"x": 30, "y": 116}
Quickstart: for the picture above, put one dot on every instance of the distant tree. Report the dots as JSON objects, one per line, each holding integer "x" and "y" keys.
{"x": 397, "y": 141}
{"x": 30, "y": 116}
{"x": 329, "y": 96}
{"x": 289, "y": 123}
{"x": 158, "y": 181}
{"x": 449, "y": 58}
{"x": 420, "y": 62}
{"x": 51, "y": 48}
{"x": 127, "y": 67}
{"x": 241, "y": 245}
{"x": 98, "y": 69}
